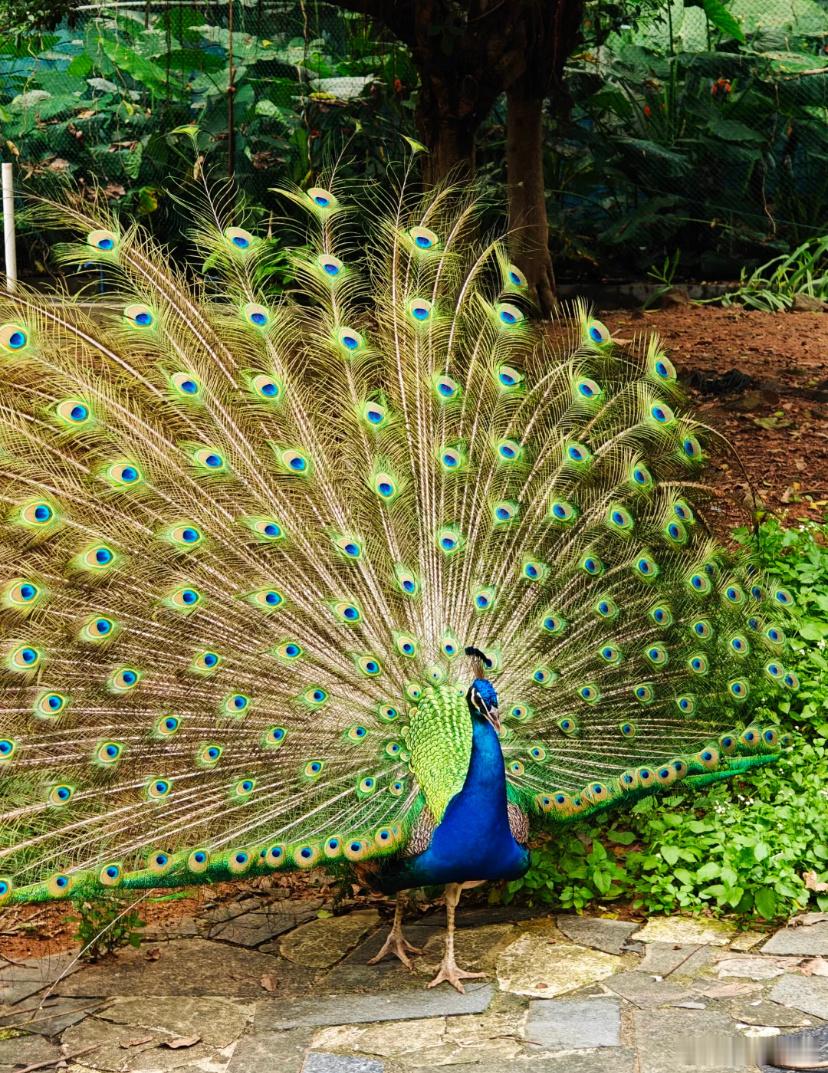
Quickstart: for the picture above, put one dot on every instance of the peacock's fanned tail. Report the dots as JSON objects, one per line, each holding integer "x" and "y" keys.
{"x": 243, "y": 536}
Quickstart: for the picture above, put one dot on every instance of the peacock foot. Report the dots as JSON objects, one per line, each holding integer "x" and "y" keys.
{"x": 449, "y": 973}
{"x": 399, "y": 946}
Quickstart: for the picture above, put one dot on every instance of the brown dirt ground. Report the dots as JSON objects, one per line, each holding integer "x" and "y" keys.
{"x": 760, "y": 379}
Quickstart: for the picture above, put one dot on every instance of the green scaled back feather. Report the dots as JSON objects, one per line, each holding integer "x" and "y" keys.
{"x": 245, "y": 540}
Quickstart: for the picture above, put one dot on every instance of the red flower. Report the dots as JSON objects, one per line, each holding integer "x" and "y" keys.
{"x": 647, "y": 111}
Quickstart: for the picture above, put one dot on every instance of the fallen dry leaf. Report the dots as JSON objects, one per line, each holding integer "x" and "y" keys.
{"x": 153, "y": 954}
{"x": 814, "y": 967}
{"x": 813, "y": 882}
{"x": 181, "y": 1041}
{"x": 269, "y": 982}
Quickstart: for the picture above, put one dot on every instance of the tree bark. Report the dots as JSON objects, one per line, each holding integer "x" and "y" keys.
{"x": 447, "y": 123}
{"x": 528, "y": 226}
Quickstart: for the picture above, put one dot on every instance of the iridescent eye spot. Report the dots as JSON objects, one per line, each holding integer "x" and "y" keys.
{"x": 587, "y": 389}
{"x": 597, "y": 333}
{"x": 509, "y": 315}
{"x": 42, "y": 513}
{"x": 691, "y": 447}
{"x": 420, "y": 309}
{"x": 661, "y": 413}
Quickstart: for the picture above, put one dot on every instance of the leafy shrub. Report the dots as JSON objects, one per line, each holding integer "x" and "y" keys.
{"x": 757, "y": 845}
{"x": 107, "y": 920}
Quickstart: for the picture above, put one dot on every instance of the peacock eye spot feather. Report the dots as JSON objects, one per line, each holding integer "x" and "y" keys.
{"x": 420, "y": 310}
{"x": 509, "y": 315}
{"x": 587, "y": 389}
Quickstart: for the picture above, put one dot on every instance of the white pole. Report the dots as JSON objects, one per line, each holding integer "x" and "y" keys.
{"x": 8, "y": 227}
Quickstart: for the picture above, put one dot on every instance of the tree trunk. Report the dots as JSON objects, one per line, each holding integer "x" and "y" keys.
{"x": 449, "y": 114}
{"x": 452, "y": 149}
{"x": 528, "y": 226}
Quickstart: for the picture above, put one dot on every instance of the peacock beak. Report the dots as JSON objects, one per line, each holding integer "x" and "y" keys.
{"x": 493, "y": 715}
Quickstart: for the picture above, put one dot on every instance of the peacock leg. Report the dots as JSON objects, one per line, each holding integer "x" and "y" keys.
{"x": 448, "y": 971}
{"x": 396, "y": 943}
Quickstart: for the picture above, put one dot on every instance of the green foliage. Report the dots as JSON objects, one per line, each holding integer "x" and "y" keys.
{"x": 107, "y": 921}
{"x": 756, "y": 846}
{"x": 682, "y": 137}
{"x": 774, "y": 285}
{"x": 697, "y": 112}
{"x": 117, "y": 100}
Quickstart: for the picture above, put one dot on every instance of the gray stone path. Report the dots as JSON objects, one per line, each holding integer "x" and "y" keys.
{"x": 262, "y": 985}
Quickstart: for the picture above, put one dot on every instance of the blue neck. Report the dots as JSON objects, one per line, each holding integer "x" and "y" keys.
{"x": 474, "y": 840}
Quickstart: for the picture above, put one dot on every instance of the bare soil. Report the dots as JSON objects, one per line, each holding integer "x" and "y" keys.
{"x": 761, "y": 380}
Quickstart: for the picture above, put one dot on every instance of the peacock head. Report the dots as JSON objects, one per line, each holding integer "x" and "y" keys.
{"x": 482, "y": 696}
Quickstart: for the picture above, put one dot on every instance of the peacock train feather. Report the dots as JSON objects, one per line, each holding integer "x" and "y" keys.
{"x": 246, "y": 538}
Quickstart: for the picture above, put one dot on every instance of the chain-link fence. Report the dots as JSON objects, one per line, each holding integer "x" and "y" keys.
{"x": 673, "y": 135}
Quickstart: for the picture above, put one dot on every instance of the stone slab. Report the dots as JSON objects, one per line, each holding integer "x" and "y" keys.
{"x": 271, "y": 1052}
{"x": 660, "y": 959}
{"x": 802, "y": 940}
{"x": 686, "y": 931}
{"x": 539, "y": 968}
{"x": 136, "y": 1033}
{"x": 806, "y": 993}
{"x": 770, "y": 1014}
{"x": 554, "y": 1025}
{"x": 645, "y": 992}
{"x": 354, "y": 973}
{"x": 623, "y": 1061}
{"x": 25, "y": 1051}
{"x": 380, "y": 1006}
{"x": 180, "y": 928}
{"x": 689, "y": 1040}
{"x": 322, "y": 942}
{"x": 476, "y": 949}
{"x": 747, "y": 940}
{"x": 18, "y": 982}
{"x": 600, "y": 933}
{"x": 752, "y": 968}
{"x": 188, "y": 967}
{"x": 318, "y": 1062}
{"x": 49, "y": 1017}
{"x": 264, "y": 924}
{"x": 697, "y": 964}
{"x": 213, "y": 913}
{"x": 475, "y": 916}
{"x": 414, "y": 1042}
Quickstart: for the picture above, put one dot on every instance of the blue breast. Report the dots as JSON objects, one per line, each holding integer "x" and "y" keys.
{"x": 474, "y": 840}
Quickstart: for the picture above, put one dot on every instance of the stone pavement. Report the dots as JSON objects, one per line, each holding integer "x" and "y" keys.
{"x": 267, "y": 986}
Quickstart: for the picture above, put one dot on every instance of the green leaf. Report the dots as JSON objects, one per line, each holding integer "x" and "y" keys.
{"x": 721, "y": 18}
{"x": 670, "y": 854}
{"x": 81, "y": 66}
{"x": 765, "y": 901}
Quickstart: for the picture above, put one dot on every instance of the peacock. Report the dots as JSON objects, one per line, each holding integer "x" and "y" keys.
{"x": 368, "y": 570}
